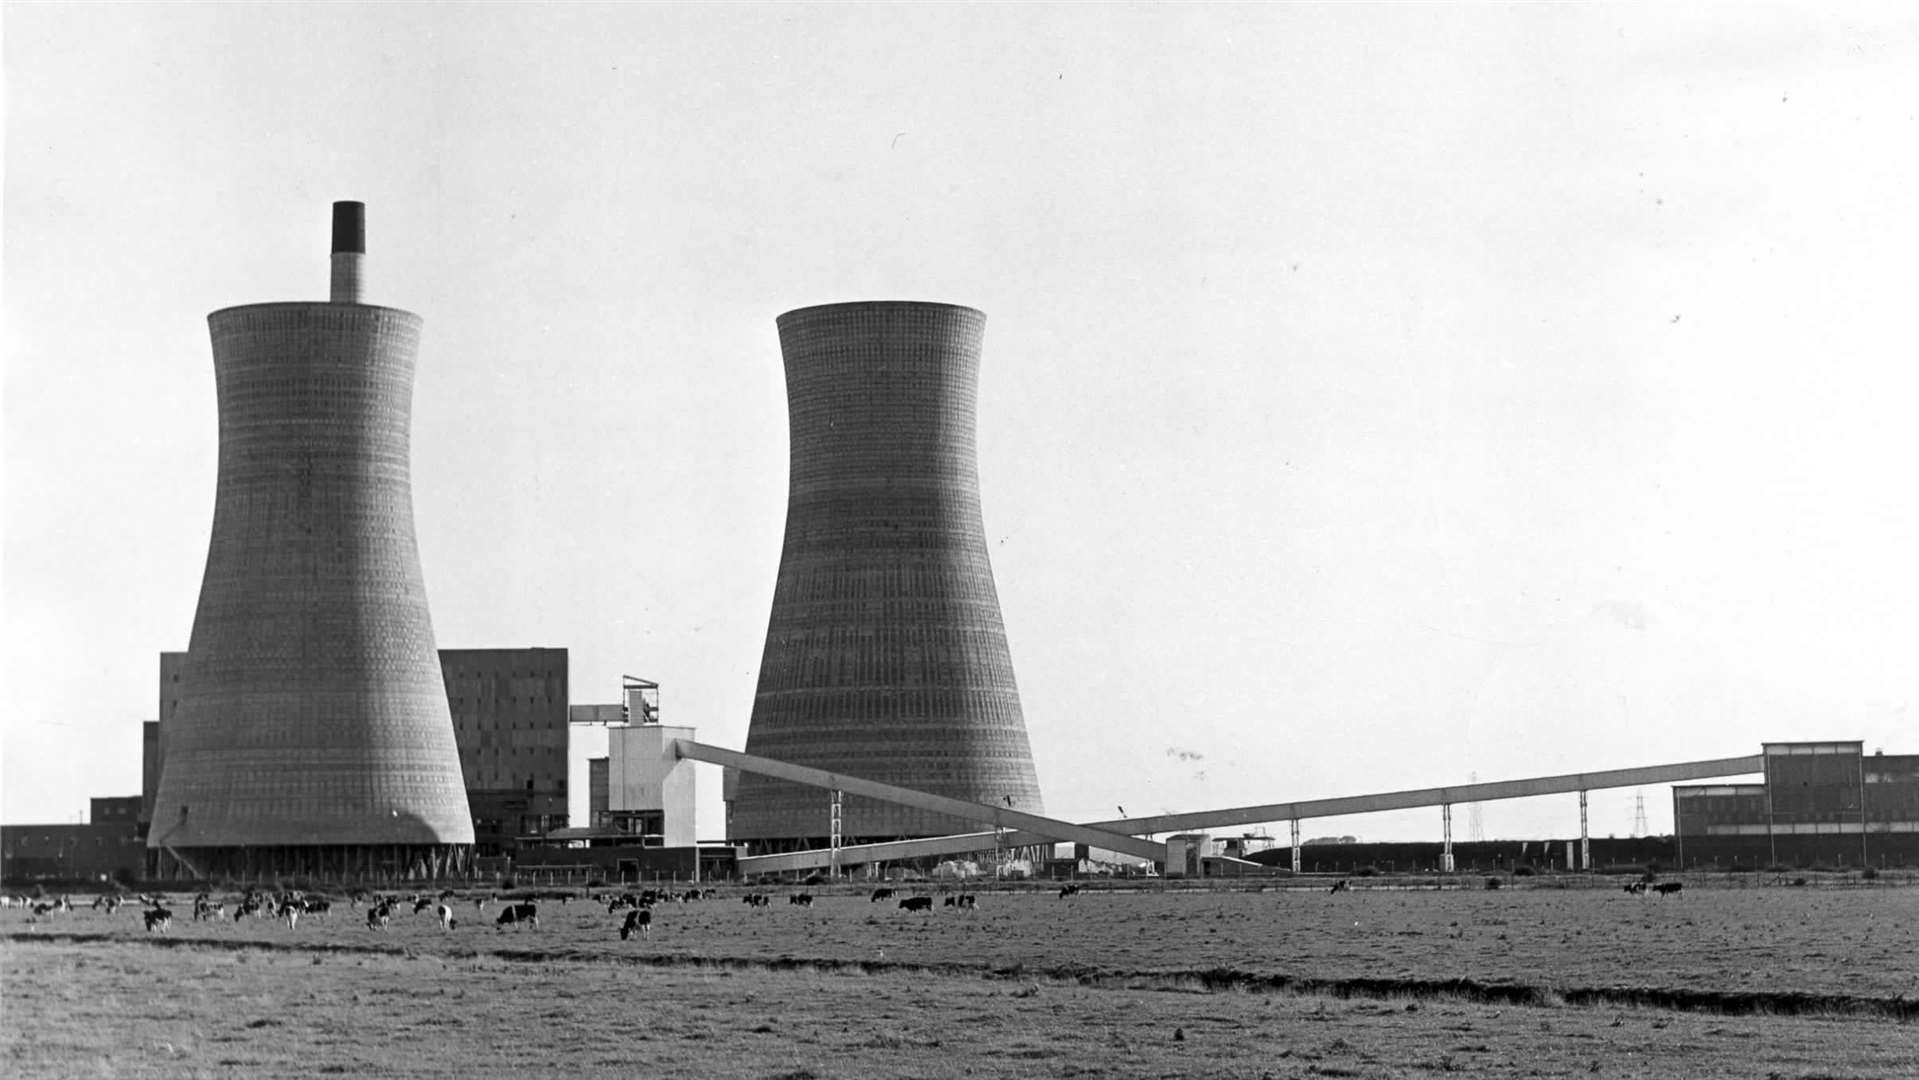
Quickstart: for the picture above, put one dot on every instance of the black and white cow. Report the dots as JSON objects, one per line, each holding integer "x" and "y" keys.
{"x": 640, "y": 919}
{"x": 527, "y": 913}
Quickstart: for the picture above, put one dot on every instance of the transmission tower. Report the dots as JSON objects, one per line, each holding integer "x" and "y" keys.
{"x": 1639, "y": 814}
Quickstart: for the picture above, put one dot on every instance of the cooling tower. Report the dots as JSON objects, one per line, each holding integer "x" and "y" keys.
{"x": 886, "y": 657}
{"x": 312, "y": 735}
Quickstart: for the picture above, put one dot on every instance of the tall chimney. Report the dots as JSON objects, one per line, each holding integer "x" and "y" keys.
{"x": 349, "y": 252}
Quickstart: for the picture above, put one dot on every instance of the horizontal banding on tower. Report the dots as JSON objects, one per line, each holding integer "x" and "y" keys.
{"x": 886, "y": 657}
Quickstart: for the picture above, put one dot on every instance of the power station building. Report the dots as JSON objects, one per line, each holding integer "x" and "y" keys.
{"x": 886, "y": 657}
{"x": 510, "y": 710}
{"x": 313, "y": 729}
{"x": 311, "y": 733}
{"x": 1820, "y": 804}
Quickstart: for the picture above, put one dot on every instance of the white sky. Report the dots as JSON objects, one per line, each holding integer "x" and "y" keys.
{"x": 1373, "y": 395}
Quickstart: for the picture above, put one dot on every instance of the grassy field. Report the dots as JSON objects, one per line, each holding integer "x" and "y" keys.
{"x": 1523, "y": 982}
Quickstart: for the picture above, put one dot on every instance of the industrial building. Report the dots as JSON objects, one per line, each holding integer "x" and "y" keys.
{"x": 96, "y": 851}
{"x": 641, "y": 810}
{"x": 1820, "y": 804}
{"x": 311, "y": 734}
{"x": 512, "y": 721}
{"x": 886, "y": 655}
{"x": 641, "y": 794}
{"x": 509, "y": 709}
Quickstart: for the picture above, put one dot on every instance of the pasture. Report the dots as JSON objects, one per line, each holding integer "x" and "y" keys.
{"x": 1281, "y": 983}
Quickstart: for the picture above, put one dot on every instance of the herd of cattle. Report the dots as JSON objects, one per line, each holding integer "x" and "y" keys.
{"x": 381, "y": 909}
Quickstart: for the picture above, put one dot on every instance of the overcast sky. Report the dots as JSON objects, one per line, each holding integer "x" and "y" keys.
{"x": 1373, "y": 396}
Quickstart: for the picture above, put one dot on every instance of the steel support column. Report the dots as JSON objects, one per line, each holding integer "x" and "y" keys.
{"x": 1446, "y": 825}
{"x": 1296, "y": 851}
{"x": 833, "y": 840}
{"x": 1585, "y": 842}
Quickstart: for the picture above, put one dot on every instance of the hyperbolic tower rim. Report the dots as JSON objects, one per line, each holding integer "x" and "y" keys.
{"x": 845, "y": 304}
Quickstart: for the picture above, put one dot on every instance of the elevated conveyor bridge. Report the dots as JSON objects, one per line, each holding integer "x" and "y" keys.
{"x": 1013, "y": 828}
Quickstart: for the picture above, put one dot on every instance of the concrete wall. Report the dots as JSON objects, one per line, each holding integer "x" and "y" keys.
{"x": 644, "y": 775}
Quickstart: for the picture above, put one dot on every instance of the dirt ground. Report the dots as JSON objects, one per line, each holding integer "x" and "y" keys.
{"x": 1783, "y": 982}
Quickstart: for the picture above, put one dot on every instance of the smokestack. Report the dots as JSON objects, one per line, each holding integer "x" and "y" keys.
{"x": 349, "y": 252}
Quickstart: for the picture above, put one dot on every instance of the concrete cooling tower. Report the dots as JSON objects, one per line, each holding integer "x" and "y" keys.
{"x": 886, "y": 657}
{"x": 312, "y": 735}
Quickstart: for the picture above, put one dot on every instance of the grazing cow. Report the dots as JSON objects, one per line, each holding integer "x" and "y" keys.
{"x": 378, "y": 916}
{"x": 968, "y": 902}
{"x": 515, "y": 914}
{"x": 802, "y": 899}
{"x": 1637, "y": 888}
{"x": 881, "y": 894}
{"x": 447, "y": 921}
{"x": 1340, "y": 886}
{"x": 917, "y": 903}
{"x": 757, "y": 900}
{"x": 640, "y": 919}
{"x": 1667, "y": 888}
{"x": 159, "y": 919}
{"x": 316, "y": 906}
{"x": 290, "y": 911}
{"x": 1068, "y": 890}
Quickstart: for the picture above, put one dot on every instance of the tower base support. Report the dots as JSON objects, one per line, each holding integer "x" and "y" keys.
{"x": 333, "y": 863}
